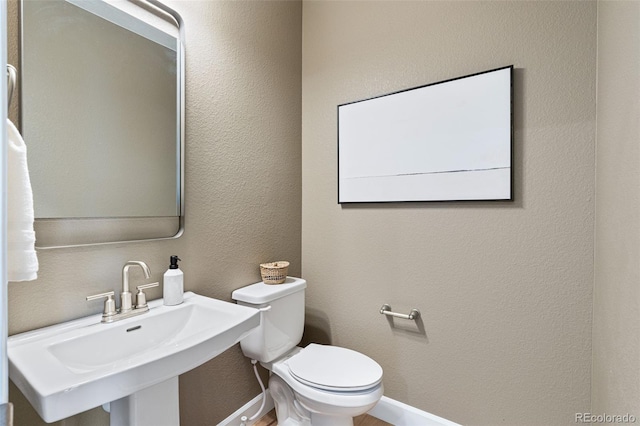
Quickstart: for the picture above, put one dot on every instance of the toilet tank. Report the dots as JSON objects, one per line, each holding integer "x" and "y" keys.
{"x": 281, "y": 317}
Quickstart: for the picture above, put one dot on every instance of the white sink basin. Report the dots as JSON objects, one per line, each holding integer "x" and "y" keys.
{"x": 78, "y": 365}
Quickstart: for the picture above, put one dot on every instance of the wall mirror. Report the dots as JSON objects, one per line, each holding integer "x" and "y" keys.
{"x": 103, "y": 118}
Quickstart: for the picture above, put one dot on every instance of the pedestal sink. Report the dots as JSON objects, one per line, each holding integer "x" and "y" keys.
{"x": 133, "y": 364}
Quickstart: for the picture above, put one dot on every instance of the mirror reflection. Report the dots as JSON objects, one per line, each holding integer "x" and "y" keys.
{"x": 101, "y": 111}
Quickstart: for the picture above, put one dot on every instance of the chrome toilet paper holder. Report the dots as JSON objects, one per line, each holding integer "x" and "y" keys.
{"x": 386, "y": 310}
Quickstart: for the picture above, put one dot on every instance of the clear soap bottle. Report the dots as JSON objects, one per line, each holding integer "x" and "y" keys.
{"x": 173, "y": 283}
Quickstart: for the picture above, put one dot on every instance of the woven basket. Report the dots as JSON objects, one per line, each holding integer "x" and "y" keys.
{"x": 274, "y": 272}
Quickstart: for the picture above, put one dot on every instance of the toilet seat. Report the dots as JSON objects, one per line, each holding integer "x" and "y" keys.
{"x": 334, "y": 369}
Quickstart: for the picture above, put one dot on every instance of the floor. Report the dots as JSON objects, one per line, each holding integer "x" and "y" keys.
{"x": 269, "y": 419}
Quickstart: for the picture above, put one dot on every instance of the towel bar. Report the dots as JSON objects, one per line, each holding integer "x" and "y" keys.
{"x": 12, "y": 74}
{"x": 386, "y": 310}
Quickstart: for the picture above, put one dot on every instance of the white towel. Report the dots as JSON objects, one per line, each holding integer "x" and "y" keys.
{"x": 22, "y": 262}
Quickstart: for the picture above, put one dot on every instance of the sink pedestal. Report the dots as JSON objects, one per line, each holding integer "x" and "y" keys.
{"x": 152, "y": 406}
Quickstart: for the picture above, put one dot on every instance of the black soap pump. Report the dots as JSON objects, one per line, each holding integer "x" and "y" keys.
{"x": 173, "y": 283}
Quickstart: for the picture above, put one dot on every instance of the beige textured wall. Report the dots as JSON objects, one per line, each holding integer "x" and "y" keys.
{"x": 616, "y": 327}
{"x": 243, "y": 202}
{"x": 505, "y": 288}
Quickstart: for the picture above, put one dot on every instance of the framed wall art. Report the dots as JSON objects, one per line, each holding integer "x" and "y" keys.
{"x": 446, "y": 141}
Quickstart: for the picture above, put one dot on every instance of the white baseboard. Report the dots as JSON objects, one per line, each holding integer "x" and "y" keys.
{"x": 249, "y": 409}
{"x": 389, "y": 410}
{"x": 399, "y": 414}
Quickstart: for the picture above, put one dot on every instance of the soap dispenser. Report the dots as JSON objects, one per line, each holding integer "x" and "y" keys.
{"x": 173, "y": 283}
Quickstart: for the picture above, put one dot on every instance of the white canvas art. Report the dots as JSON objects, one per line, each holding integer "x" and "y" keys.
{"x": 446, "y": 141}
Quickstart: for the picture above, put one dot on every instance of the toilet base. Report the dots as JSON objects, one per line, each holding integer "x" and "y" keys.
{"x": 325, "y": 420}
{"x": 290, "y": 412}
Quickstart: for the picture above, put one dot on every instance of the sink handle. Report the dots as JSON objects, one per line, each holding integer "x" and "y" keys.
{"x": 109, "y": 304}
{"x": 141, "y": 299}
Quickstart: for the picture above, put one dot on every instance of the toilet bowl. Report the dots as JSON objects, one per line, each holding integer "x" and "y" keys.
{"x": 317, "y": 385}
{"x": 330, "y": 382}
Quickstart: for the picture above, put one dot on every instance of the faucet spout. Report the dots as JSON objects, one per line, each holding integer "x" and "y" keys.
{"x": 125, "y": 296}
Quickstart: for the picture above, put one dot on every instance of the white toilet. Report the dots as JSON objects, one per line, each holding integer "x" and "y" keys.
{"x": 317, "y": 385}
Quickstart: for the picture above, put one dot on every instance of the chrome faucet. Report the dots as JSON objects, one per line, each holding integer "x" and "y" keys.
{"x": 125, "y": 296}
{"x": 110, "y": 313}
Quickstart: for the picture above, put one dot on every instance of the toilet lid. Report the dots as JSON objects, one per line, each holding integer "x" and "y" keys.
{"x": 334, "y": 368}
